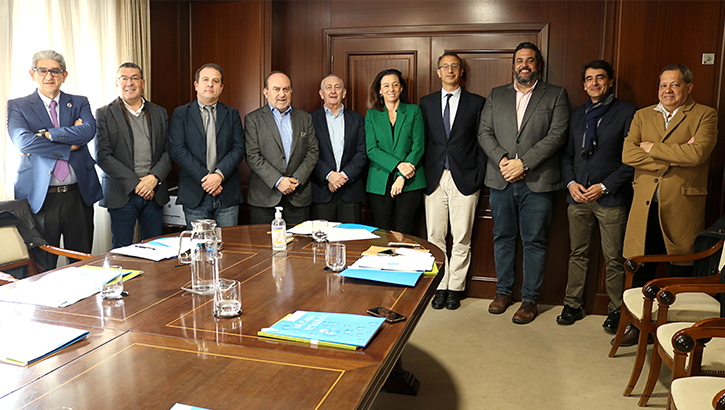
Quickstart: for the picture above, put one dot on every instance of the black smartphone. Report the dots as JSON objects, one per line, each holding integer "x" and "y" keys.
{"x": 387, "y": 252}
{"x": 389, "y": 315}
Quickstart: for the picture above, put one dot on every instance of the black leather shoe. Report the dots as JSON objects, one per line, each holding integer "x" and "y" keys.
{"x": 611, "y": 324}
{"x": 439, "y": 300}
{"x": 569, "y": 315}
{"x": 453, "y": 300}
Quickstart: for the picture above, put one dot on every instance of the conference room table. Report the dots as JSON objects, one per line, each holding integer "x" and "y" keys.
{"x": 162, "y": 345}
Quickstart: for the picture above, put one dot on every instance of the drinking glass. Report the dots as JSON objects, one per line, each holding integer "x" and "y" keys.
{"x": 228, "y": 298}
{"x": 113, "y": 289}
{"x": 335, "y": 256}
{"x": 319, "y": 230}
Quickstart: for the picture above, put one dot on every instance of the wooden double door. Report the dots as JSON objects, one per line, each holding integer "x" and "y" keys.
{"x": 487, "y": 51}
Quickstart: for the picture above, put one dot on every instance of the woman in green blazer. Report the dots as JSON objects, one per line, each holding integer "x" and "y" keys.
{"x": 395, "y": 137}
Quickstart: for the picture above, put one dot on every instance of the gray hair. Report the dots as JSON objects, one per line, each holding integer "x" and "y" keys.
{"x": 130, "y": 65}
{"x": 322, "y": 83}
{"x": 48, "y": 55}
{"x": 685, "y": 70}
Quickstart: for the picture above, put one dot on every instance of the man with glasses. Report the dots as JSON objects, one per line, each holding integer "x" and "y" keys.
{"x": 132, "y": 151}
{"x": 57, "y": 174}
{"x": 206, "y": 139}
{"x": 454, "y": 168}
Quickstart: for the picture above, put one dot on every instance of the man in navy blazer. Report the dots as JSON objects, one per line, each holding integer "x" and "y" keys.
{"x": 132, "y": 150}
{"x": 206, "y": 139}
{"x": 338, "y": 181}
{"x": 57, "y": 174}
{"x": 454, "y": 168}
{"x": 599, "y": 188}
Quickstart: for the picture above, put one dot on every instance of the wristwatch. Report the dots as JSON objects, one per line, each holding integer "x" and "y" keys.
{"x": 604, "y": 189}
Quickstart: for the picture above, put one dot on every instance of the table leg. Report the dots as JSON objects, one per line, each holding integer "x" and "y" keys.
{"x": 401, "y": 381}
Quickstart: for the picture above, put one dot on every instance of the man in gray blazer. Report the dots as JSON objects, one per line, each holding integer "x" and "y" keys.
{"x": 523, "y": 125}
{"x": 132, "y": 151}
{"x": 282, "y": 152}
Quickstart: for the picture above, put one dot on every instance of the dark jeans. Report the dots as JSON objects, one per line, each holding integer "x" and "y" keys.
{"x": 123, "y": 220}
{"x": 516, "y": 209}
{"x": 212, "y": 208}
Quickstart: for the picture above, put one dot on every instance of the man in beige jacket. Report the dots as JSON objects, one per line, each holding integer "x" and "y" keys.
{"x": 669, "y": 145}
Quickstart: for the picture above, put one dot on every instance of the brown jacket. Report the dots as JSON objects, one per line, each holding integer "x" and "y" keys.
{"x": 679, "y": 169}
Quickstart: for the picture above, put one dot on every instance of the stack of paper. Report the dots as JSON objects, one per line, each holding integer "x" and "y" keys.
{"x": 60, "y": 288}
{"x": 337, "y": 232}
{"x": 26, "y": 342}
{"x": 404, "y": 268}
{"x": 156, "y": 250}
{"x": 342, "y": 330}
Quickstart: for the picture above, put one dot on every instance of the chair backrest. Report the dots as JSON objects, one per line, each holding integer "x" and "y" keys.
{"x": 14, "y": 249}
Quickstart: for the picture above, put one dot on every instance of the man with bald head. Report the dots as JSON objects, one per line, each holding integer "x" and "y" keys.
{"x": 281, "y": 153}
{"x": 338, "y": 182}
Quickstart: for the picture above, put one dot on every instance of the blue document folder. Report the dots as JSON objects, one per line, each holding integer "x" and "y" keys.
{"x": 324, "y": 328}
{"x": 386, "y": 276}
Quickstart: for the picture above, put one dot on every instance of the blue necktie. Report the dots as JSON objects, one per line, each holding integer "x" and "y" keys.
{"x": 447, "y": 121}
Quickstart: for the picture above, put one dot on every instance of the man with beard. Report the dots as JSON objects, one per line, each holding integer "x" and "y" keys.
{"x": 523, "y": 125}
{"x": 599, "y": 188}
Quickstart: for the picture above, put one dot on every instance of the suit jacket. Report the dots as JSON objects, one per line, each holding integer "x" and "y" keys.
{"x": 266, "y": 158}
{"x": 353, "y": 162}
{"x": 114, "y": 152}
{"x": 543, "y": 132}
{"x": 26, "y": 116}
{"x": 605, "y": 164}
{"x": 387, "y": 151}
{"x": 682, "y": 188}
{"x": 187, "y": 146}
{"x": 466, "y": 159}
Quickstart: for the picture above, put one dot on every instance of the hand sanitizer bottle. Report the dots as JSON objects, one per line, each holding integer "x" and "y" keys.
{"x": 279, "y": 231}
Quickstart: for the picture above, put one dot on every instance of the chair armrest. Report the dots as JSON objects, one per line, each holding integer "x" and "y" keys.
{"x": 632, "y": 264}
{"x": 668, "y": 294}
{"x": 65, "y": 252}
{"x": 684, "y": 340}
{"x": 718, "y": 402}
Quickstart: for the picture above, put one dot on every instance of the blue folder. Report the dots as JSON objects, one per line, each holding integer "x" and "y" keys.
{"x": 386, "y": 276}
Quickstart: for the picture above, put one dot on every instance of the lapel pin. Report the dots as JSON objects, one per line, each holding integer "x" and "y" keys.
{"x": 69, "y": 105}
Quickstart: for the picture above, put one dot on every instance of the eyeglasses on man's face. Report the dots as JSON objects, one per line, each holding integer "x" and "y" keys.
{"x": 42, "y": 71}
{"x": 124, "y": 79}
{"x": 453, "y": 66}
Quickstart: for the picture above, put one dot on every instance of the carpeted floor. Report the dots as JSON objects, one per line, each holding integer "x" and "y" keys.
{"x": 470, "y": 359}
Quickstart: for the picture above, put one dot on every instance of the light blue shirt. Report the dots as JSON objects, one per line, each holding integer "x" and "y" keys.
{"x": 284, "y": 126}
{"x": 336, "y": 128}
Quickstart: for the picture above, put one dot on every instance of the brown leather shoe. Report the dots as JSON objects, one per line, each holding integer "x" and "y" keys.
{"x": 526, "y": 313}
{"x": 631, "y": 338}
{"x": 499, "y": 304}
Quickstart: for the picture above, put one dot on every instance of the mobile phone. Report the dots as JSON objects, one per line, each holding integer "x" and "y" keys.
{"x": 387, "y": 252}
{"x": 389, "y": 315}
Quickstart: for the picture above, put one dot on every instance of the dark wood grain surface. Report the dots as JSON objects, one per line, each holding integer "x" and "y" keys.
{"x": 161, "y": 345}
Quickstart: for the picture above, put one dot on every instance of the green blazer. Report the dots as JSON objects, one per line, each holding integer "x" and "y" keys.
{"x": 387, "y": 151}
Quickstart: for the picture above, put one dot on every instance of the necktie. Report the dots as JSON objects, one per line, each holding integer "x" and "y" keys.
{"x": 61, "y": 170}
{"x": 447, "y": 115}
{"x": 447, "y": 122}
{"x": 210, "y": 139}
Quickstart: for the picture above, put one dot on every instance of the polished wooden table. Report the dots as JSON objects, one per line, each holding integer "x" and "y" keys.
{"x": 161, "y": 345}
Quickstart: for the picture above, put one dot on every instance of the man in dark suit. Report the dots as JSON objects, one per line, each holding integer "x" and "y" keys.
{"x": 132, "y": 151}
{"x": 282, "y": 151}
{"x": 454, "y": 169}
{"x": 206, "y": 139}
{"x": 599, "y": 188}
{"x": 338, "y": 181}
{"x": 523, "y": 125}
{"x": 57, "y": 174}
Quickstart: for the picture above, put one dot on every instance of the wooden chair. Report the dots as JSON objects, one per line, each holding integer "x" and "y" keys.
{"x": 15, "y": 253}
{"x": 697, "y": 393}
{"x": 663, "y": 351}
{"x": 638, "y": 305}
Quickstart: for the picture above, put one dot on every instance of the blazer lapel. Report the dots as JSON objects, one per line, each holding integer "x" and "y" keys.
{"x": 120, "y": 118}
{"x": 679, "y": 117}
{"x": 607, "y": 117}
{"x": 39, "y": 109}
{"x": 295, "y": 128}
{"x": 399, "y": 121}
{"x": 349, "y": 144}
{"x": 320, "y": 119}
{"x": 196, "y": 117}
{"x": 221, "y": 116}
{"x": 462, "y": 104}
{"x": 268, "y": 118}
{"x": 64, "y": 111}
